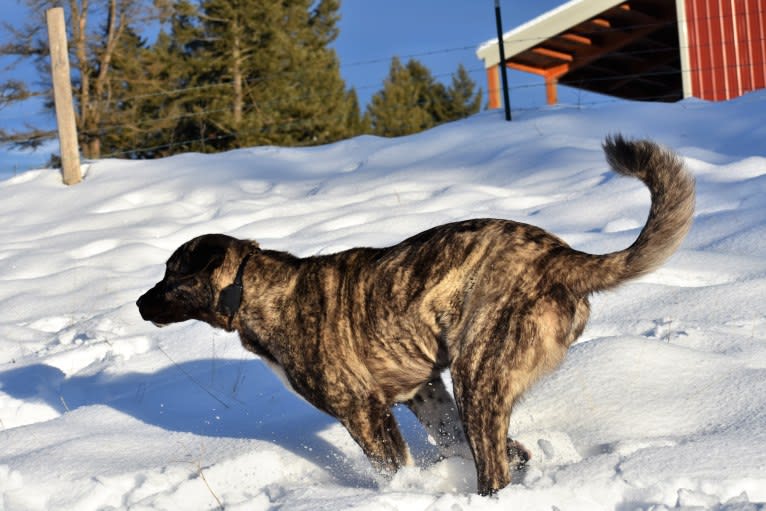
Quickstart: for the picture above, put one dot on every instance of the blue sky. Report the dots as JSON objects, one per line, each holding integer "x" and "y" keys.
{"x": 439, "y": 33}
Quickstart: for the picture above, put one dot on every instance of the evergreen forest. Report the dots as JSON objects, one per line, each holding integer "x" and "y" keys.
{"x": 217, "y": 75}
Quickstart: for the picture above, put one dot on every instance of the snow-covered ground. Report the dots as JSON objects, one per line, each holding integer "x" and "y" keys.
{"x": 661, "y": 405}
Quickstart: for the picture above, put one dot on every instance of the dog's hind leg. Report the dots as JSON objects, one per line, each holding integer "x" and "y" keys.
{"x": 485, "y": 409}
{"x": 499, "y": 358}
{"x": 486, "y": 386}
{"x": 373, "y": 426}
{"x": 436, "y": 410}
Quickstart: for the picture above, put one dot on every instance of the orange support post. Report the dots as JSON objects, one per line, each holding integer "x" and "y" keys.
{"x": 493, "y": 87}
{"x": 551, "y": 94}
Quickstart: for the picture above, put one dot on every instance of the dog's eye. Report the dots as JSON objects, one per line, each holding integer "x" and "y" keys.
{"x": 178, "y": 276}
{"x": 187, "y": 267}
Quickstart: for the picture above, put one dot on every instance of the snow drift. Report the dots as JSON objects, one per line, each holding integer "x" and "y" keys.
{"x": 662, "y": 404}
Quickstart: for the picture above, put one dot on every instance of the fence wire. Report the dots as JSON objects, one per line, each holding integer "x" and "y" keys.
{"x": 145, "y": 127}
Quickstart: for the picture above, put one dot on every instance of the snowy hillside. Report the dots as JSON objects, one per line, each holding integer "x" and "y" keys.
{"x": 661, "y": 405}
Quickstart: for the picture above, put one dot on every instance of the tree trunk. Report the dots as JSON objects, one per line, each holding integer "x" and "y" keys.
{"x": 92, "y": 88}
{"x": 79, "y": 24}
{"x": 114, "y": 28}
{"x": 236, "y": 76}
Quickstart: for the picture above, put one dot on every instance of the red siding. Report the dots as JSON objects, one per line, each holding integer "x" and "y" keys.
{"x": 757, "y": 26}
{"x": 727, "y": 47}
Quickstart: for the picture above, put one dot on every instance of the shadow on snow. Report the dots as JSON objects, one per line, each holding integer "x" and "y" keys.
{"x": 210, "y": 397}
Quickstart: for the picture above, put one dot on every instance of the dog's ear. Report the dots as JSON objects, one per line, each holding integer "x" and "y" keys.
{"x": 206, "y": 252}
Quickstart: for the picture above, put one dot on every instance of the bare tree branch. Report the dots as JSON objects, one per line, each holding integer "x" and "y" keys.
{"x": 12, "y": 91}
{"x": 30, "y": 139}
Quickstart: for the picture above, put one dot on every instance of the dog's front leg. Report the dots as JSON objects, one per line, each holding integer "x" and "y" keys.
{"x": 436, "y": 410}
{"x": 375, "y": 429}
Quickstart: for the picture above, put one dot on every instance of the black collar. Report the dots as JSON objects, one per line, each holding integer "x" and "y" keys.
{"x": 231, "y": 296}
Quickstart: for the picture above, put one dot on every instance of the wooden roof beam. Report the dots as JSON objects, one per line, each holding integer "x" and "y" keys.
{"x": 546, "y": 72}
{"x": 525, "y": 68}
{"x": 617, "y": 42}
{"x": 600, "y": 22}
{"x": 576, "y": 38}
{"x": 644, "y": 18}
{"x": 622, "y": 8}
{"x": 554, "y": 54}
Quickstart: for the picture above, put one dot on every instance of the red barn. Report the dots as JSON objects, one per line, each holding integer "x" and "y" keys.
{"x": 652, "y": 50}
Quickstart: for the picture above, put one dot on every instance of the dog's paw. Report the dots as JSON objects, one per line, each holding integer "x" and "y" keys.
{"x": 518, "y": 455}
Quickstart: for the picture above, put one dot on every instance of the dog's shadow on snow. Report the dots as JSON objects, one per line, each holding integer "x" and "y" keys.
{"x": 210, "y": 397}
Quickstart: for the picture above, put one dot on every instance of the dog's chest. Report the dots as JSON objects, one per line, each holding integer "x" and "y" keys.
{"x": 279, "y": 372}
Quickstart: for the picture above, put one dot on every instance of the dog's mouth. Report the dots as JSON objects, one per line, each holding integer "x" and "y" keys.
{"x": 159, "y": 325}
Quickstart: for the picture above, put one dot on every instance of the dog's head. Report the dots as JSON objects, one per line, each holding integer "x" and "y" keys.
{"x": 195, "y": 275}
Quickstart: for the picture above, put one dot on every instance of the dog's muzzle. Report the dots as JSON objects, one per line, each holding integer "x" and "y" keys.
{"x": 142, "y": 304}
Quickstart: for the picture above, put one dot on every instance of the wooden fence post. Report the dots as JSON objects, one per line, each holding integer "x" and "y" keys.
{"x": 62, "y": 96}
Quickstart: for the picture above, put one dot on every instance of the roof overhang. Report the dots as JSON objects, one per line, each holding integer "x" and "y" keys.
{"x": 623, "y": 48}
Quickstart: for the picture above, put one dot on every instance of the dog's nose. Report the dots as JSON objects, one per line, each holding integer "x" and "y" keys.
{"x": 141, "y": 304}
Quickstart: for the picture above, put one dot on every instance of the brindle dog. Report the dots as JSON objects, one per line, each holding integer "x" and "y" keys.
{"x": 496, "y": 302}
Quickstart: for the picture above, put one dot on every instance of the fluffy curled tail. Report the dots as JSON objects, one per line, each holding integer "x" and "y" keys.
{"x": 672, "y": 191}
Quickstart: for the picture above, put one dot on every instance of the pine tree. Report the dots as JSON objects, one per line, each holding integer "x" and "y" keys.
{"x": 357, "y": 122}
{"x": 399, "y": 108}
{"x": 220, "y": 74}
{"x": 158, "y": 113}
{"x": 319, "y": 112}
{"x": 120, "y": 112}
{"x": 177, "y": 68}
{"x": 412, "y": 100}
{"x": 432, "y": 95}
{"x": 276, "y": 79}
{"x": 462, "y": 98}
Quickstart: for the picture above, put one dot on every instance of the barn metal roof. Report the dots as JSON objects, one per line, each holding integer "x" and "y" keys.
{"x": 629, "y": 49}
